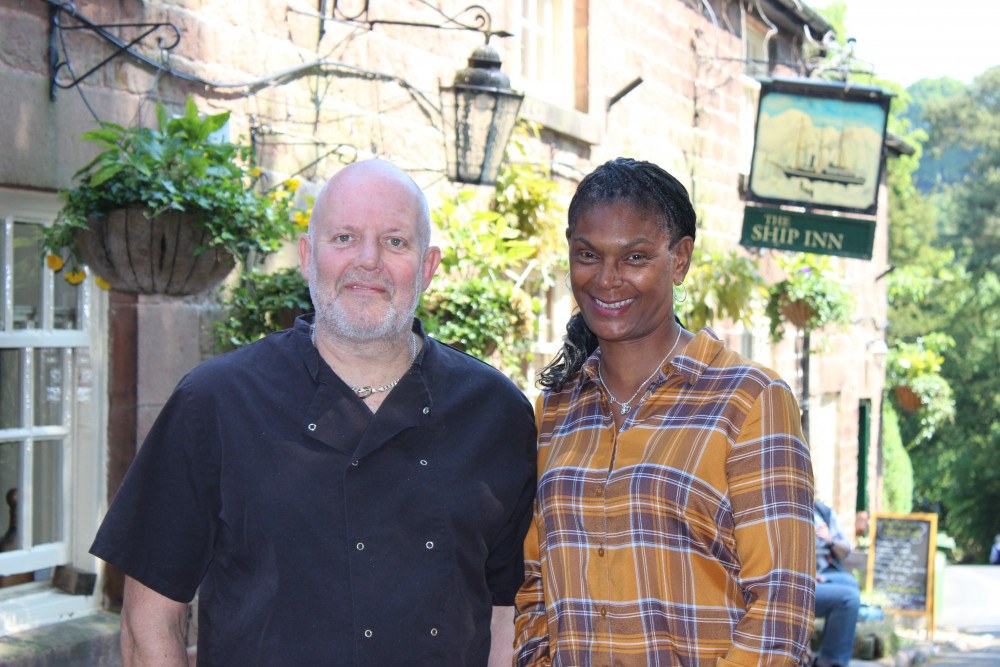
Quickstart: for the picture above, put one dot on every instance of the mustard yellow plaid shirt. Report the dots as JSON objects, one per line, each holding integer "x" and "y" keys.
{"x": 685, "y": 539}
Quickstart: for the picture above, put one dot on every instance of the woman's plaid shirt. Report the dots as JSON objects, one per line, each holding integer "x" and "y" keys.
{"x": 686, "y": 538}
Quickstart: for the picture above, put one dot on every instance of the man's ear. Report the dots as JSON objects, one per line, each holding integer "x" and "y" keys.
{"x": 305, "y": 255}
{"x": 432, "y": 259}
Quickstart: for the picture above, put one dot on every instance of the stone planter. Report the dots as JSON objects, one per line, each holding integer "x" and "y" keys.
{"x": 139, "y": 253}
{"x": 798, "y": 313}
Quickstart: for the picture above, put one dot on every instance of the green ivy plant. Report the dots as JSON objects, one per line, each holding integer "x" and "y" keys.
{"x": 719, "y": 285}
{"x": 812, "y": 280}
{"x": 177, "y": 166}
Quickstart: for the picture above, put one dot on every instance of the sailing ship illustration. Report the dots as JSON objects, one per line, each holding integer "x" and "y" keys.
{"x": 806, "y": 165}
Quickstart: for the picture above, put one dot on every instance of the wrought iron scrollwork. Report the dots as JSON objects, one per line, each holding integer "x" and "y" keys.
{"x": 474, "y": 17}
{"x": 59, "y": 61}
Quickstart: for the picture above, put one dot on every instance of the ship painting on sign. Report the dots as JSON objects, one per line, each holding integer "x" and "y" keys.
{"x": 817, "y": 152}
{"x": 831, "y": 172}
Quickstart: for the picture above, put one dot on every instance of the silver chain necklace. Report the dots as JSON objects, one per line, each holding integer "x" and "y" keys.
{"x": 366, "y": 391}
{"x": 626, "y": 406}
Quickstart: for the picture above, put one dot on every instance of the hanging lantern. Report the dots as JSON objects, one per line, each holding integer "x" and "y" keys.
{"x": 480, "y": 110}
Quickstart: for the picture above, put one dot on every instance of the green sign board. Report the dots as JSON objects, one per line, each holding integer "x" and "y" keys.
{"x": 808, "y": 232}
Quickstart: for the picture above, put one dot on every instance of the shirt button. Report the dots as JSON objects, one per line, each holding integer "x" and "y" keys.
{"x": 354, "y": 462}
{"x": 361, "y": 546}
{"x": 426, "y": 411}
{"x": 434, "y": 632}
{"x": 604, "y": 612}
{"x": 429, "y": 545}
{"x": 600, "y": 490}
{"x": 368, "y": 633}
{"x": 312, "y": 427}
{"x": 423, "y": 462}
{"x": 600, "y": 551}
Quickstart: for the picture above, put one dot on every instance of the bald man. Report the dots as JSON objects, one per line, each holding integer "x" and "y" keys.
{"x": 345, "y": 492}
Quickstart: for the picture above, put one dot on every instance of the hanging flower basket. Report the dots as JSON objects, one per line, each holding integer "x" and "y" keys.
{"x": 209, "y": 212}
{"x": 139, "y": 253}
{"x": 798, "y": 313}
{"x": 909, "y": 400}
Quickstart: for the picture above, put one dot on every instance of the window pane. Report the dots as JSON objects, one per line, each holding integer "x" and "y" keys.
{"x": 65, "y": 302}
{"x": 11, "y": 386}
{"x": 46, "y": 515}
{"x": 49, "y": 394}
{"x": 27, "y": 276}
{"x": 10, "y": 475}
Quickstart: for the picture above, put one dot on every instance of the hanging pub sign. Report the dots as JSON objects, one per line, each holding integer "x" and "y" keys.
{"x": 816, "y": 168}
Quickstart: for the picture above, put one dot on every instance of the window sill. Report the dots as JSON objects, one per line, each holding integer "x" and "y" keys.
{"x": 34, "y": 605}
{"x": 569, "y": 122}
{"x": 94, "y": 640}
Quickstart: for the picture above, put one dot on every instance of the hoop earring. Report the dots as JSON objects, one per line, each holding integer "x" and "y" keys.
{"x": 566, "y": 282}
{"x": 684, "y": 294}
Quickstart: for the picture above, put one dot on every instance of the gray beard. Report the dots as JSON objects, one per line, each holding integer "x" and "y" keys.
{"x": 333, "y": 316}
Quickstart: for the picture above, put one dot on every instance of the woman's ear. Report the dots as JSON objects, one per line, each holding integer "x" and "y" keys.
{"x": 682, "y": 251}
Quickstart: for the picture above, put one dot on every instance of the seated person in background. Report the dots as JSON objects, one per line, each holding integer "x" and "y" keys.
{"x": 838, "y": 597}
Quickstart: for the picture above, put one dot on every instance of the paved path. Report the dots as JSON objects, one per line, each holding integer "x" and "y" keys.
{"x": 971, "y": 598}
{"x": 975, "y": 658}
{"x": 971, "y": 605}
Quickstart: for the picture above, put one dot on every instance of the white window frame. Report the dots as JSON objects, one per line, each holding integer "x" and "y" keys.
{"x": 544, "y": 70}
{"x": 83, "y": 432}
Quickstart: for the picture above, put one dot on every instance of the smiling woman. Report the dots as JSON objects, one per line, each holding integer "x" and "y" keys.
{"x": 700, "y": 476}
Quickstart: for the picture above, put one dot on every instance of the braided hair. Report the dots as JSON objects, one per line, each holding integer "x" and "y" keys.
{"x": 645, "y": 187}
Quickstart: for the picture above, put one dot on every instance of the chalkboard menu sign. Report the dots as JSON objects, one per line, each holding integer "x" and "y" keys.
{"x": 901, "y": 561}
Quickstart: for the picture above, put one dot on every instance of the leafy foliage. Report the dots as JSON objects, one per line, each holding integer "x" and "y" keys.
{"x": 177, "y": 166}
{"x": 261, "y": 303}
{"x": 948, "y": 282}
{"x": 719, "y": 285}
{"x": 477, "y": 302}
{"x": 529, "y": 199}
{"x": 810, "y": 279}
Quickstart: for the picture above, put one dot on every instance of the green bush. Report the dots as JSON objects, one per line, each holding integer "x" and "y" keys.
{"x": 261, "y": 303}
{"x": 897, "y": 479}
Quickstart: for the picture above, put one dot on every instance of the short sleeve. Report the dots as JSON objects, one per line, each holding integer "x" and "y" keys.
{"x": 161, "y": 524}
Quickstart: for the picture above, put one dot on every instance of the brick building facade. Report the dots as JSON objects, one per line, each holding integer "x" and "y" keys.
{"x": 312, "y": 95}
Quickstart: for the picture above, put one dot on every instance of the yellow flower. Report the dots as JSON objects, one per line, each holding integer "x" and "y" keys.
{"x": 75, "y": 277}
{"x": 255, "y": 172}
{"x": 277, "y": 195}
{"x": 292, "y": 184}
{"x": 54, "y": 262}
{"x": 102, "y": 283}
{"x": 302, "y": 217}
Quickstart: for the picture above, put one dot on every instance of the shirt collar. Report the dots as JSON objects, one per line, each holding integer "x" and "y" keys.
{"x": 690, "y": 362}
{"x": 310, "y": 355}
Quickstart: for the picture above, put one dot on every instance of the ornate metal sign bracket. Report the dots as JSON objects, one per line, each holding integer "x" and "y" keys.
{"x": 473, "y": 17}
{"x": 59, "y": 60}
